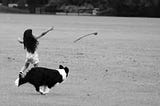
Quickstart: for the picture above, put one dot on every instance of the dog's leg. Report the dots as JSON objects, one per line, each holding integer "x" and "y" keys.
{"x": 37, "y": 88}
{"x": 46, "y": 90}
{"x": 41, "y": 89}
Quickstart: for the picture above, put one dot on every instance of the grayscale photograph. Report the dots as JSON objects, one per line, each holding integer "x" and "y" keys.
{"x": 79, "y": 52}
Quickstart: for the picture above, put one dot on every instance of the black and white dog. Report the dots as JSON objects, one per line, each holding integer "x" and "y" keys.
{"x": 43, "y": 79}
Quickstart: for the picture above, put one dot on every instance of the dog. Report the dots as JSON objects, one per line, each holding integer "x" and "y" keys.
{"x": 43, "y": 79}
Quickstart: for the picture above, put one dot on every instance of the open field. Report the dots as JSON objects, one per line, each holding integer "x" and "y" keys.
{"x": 118, "y": 67}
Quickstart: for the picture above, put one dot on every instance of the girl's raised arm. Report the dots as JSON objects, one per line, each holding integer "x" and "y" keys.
{"x": 44, "y": 33}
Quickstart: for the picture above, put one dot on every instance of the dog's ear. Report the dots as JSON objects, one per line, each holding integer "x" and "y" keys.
{"x": 61, "y": 67}
{"x": 66, "y": 70}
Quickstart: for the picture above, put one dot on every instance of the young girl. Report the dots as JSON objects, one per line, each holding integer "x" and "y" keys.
{"x": 30, "y": 43}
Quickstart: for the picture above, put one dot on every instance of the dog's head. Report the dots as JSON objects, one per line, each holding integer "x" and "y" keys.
{"x": 19, "y": 81}
{"x": 63, "y": 71}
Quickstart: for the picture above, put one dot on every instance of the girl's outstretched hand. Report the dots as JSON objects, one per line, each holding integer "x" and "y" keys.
{"x": 51, "y": 28}
{"x": 47, "y": 31}
{"x": 44, "y": 33}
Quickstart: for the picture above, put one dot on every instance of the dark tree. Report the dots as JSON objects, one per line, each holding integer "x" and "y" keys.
{"x": 32, "y": 4}
{"x": 5, "y": 2}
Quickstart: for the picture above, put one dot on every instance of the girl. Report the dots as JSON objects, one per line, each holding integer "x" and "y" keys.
{"x": 30, "y": 43}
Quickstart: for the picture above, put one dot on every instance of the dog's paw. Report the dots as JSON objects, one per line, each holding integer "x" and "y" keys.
{"x": 44, "y": 90}
{"x": 42, "y": 93}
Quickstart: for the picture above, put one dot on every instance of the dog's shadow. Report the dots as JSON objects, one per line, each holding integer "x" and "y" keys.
{"x": 51, "y": 94}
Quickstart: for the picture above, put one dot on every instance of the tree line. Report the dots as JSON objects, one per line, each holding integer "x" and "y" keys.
{"x": 106, "y": 7}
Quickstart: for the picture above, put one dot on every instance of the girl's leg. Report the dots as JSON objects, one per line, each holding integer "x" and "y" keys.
{"x": 24, "y": 67}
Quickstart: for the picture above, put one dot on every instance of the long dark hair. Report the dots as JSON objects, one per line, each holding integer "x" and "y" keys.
{"x": 29, "y": 41}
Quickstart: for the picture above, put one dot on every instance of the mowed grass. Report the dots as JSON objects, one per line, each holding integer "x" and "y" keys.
{"x": 118, "y": 67}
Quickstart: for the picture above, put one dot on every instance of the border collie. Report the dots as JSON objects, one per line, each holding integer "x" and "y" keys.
{"x": 43, "y": 79}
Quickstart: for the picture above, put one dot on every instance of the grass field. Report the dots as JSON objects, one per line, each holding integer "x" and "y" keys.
{"x": 118, "y": 67}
